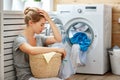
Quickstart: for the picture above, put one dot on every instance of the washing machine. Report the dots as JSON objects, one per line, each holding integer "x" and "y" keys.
{"x": 94, "y": 20}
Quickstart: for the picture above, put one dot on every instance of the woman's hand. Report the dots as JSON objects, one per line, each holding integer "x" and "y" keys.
{"x": 45, "y": 14}
{"x": 62, "y": 50}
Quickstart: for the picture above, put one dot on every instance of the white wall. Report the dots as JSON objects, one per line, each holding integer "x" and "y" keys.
{"x": 19, "y": 5}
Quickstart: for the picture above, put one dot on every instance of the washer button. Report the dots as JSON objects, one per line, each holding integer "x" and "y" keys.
{"x": 79, "y": 11}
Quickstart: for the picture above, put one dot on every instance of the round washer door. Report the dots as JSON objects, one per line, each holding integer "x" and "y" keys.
{"x": 79, "y": 25}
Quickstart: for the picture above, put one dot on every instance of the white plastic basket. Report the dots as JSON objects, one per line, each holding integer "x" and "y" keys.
{"x": 115, "y": 61}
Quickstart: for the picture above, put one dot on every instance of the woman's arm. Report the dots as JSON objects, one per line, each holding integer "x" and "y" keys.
{"x": 56, "y": 34}
{"x": 25, "y": 47}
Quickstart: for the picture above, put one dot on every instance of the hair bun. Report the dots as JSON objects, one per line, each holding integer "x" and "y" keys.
{"x": 26, "y": 10}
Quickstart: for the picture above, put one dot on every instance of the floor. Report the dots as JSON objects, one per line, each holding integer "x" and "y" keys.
{"x": 106, "y": 76}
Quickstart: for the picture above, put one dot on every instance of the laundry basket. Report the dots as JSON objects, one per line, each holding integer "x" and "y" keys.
{"x": 115, "y": 61}
{"x": 41, "y": 69}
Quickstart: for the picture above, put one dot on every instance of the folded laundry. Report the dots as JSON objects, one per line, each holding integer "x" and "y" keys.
{"x": 48, "y": 56}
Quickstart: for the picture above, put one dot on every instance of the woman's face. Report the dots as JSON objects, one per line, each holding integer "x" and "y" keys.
{"x": 38, "y": 27}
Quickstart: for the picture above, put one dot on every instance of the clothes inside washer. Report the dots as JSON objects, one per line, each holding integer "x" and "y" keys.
{"x": 84, "y": 42}
{"x": 74, "y": 56}
{"x": 80, "y": 27}
{"x": 81, "y": 39}
{"x": 77, "y": 57}
{"x": 71, "y": 33}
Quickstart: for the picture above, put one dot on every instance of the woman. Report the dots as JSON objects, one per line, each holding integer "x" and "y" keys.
{"x": 27, "y": 43}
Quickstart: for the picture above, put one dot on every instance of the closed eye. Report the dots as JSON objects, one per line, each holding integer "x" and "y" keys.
{"x": 42, "y": 24}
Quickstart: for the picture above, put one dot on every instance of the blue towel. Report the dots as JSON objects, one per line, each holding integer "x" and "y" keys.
{"x": 81, "y": 39}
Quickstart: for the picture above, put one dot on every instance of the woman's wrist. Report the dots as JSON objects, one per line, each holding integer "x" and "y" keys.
{"x": 49, "y": 20}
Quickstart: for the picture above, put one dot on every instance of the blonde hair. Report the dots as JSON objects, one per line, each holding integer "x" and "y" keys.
{"x": 32, "y": 13}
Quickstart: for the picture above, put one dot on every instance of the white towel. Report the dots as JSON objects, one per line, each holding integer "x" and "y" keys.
{"x": 74, "y": 57}
{"x": 48, "y": 56}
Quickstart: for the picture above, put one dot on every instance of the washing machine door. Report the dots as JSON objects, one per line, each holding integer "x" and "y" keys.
{"x": 79, "y": 25}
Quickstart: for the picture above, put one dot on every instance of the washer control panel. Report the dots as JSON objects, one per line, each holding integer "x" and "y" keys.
{"x": 79, "y": 10}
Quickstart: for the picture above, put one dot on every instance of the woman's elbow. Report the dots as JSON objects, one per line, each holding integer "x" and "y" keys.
{"x": 31, "y": 51}
{"x": 26, "y": 48}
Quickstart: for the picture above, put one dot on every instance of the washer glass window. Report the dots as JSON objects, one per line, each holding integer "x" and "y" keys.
{"x": 83, "y": 27}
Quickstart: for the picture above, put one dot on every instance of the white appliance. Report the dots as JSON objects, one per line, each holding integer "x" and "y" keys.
{"x": 96, "y": 19}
